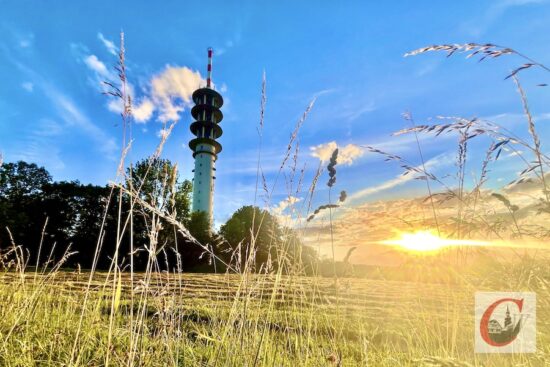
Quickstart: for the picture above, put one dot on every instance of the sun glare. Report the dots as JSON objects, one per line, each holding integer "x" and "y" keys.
{"x": 427, "y": 241}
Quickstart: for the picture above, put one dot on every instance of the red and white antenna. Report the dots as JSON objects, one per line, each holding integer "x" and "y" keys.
{"x": 209, "y": 77}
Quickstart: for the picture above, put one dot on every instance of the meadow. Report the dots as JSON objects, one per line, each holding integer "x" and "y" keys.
{"x": 418, "y": 314}
{"x": 64, "y": 318}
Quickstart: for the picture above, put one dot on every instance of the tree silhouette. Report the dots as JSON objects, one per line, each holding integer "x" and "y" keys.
{"x": 255, "y": 233}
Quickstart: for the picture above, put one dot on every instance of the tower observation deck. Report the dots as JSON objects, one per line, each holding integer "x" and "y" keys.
{"x": 206, "y": 129}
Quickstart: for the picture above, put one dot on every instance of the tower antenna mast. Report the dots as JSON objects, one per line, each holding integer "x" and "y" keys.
{"x": 205, "y": 147}
{"x": 209, "y": 70}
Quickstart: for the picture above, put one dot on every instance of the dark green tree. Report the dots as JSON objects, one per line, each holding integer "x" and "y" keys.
{"x": 74, "y": 213}
{"x": 199, "y": 227}
{"x": 21, "y": 186}
{"x": 256, "y": 232}
{"x": 208, "y": 253}
{"x": 22, "y": 179}
{"x": 158, "y": 184}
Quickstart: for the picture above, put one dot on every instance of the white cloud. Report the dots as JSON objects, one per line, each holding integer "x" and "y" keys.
{"x": 279, "y": 210}
{"x": 28, "y": 86}
{"x": 171, "y": 91}
{"x": 439, "y": 160}
{"x": 143, "y": 111}
{"x": 168, "y": 93}
{"x": 110, "y": 45}
{"x": 98, "y": 67}
{"x": 286, "y": 203}
{"x": 346, "y": 154}
{"x": 26, "y": 41}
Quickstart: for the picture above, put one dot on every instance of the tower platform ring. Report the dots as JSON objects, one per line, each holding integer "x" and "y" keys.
{"x": 197, "y": 109}
{"x": 209, "y": 92}
{"x": 207, "y": 124}
{"x": 217, "y": 146}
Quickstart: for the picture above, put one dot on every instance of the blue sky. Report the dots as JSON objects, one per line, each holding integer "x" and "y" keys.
{"x": 350, "y": 57}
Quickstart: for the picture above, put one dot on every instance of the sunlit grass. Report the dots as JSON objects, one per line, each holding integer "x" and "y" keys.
{"x": 289, "y": 321}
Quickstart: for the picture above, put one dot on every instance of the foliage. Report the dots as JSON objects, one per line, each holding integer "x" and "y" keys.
{"x": 158, "y": 184}
{"x": 253, "y": 233}
{"x": 75, "y": 215}
{"x": 22, "y": 179}
{"x": 199, "y": 226}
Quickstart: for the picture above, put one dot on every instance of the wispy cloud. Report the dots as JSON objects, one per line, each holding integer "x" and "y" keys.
{"x": 109, "y": 45}
{"x": 512, "y": 119}
{"x": 69, "y": 113}
{"x": 479, "y": 25}
{"x": 440, "y": 160}
{"x": 286, "y": 203}
{"x": 99, "y": 68}
{"x": 245, "y": 163}
{"x": 41, "y": 146}
{"x": 26, "y": 40}
{"x": 358, "y": 111}
{"x": 324, "y": 91}
{"x": 28, "y": 86}
{"x": 73, "y": 116}
{"x": 427, "y": 68}
{"x": 284, "y": 210}
{"x": 228, "y": 45}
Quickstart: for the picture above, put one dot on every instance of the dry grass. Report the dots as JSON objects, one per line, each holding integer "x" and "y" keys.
{"x": 198, "y": 319}
{"x": 279, "y": 317}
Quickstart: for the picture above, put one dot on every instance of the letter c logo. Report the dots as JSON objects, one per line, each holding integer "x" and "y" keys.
{"x": 484, "y": 324}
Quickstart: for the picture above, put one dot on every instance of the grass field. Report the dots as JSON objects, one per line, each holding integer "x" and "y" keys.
{"x": 64, "y": 318}
{"x": 418, "y": 314}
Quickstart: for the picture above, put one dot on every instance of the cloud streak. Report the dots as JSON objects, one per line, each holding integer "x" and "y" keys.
{"x": 28, "y": 86}
{"x": 41, "y": 145}
{"x": 73, "y": 116}
{"x": 109, "y": 45}
{"x": 478, "y": 26}
{"x": 70, "y": 114}
{"x": 442, "y": 159}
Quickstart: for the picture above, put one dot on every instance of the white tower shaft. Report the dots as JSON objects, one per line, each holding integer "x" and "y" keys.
{"x": 206, "y": 129}
{"x": 203, "y": 181}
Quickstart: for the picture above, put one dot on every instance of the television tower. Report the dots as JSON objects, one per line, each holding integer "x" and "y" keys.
{"x": 207, "y": 115}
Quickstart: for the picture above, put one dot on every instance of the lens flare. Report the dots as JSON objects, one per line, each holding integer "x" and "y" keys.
{"x": 427, "y": 241}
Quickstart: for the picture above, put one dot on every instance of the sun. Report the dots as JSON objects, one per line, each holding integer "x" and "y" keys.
{"x": 428, "y": 242}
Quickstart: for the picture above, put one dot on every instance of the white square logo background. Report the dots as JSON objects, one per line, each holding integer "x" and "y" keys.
{"x": 525, "y": 341}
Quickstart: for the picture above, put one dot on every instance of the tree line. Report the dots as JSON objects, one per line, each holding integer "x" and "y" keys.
{"x": 51, "y": 220}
